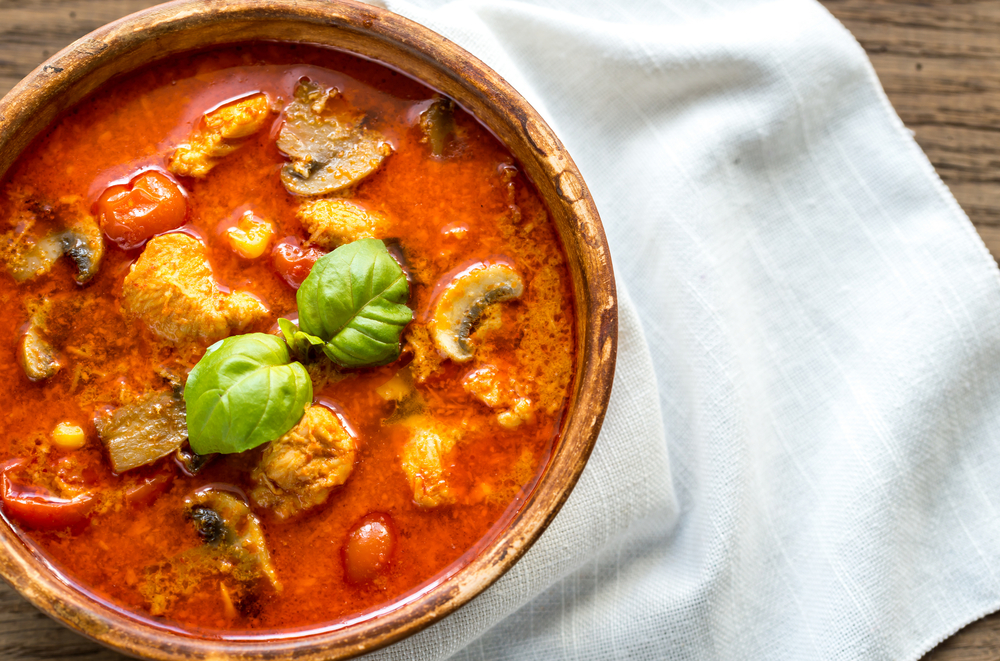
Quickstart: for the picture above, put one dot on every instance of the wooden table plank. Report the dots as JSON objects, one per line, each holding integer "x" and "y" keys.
{"x": 939, "y": 62}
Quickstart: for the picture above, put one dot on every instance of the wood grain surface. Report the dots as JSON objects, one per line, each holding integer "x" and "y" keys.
{"x": 938, "y": 60}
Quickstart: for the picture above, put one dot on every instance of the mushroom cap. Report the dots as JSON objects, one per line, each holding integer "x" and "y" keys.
{"x": 462, "y": 302}
{"x": 328, "y": 151}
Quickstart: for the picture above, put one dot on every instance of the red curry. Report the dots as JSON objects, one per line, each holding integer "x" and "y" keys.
{"x": 450, "y": 198}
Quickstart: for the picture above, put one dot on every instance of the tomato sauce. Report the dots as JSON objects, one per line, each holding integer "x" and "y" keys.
{"x": 467, "y": 205}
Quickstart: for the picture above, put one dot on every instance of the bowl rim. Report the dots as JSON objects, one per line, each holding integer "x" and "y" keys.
{"x": 155, "y": 33}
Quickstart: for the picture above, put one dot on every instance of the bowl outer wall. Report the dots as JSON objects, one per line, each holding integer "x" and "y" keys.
{"x": 184, "y": 25}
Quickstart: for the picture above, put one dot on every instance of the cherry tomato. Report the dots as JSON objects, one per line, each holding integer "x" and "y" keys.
{"x": 369, "y": 547}
{"x": 292, "y": 261}
{"x": 150, "y": 204}
{"x": 37, "y": 508}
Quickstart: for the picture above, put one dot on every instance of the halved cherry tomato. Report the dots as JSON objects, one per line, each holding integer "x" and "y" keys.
{"x": 369, "y": 548}
{"x": 145, "y": 492}
{"x": 292, "y": 261}
{"x": 150, "y": 204}
{"x": 37, "y": 508}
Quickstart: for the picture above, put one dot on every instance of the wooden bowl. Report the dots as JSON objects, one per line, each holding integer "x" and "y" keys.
{"x": 187, "y": 25}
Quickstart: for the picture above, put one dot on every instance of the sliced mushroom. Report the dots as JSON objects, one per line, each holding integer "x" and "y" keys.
{"x": 35, "y": 352}
{"x": 225, "y": 521}
{"x": 143, "y": 431}
{"x": 463, "y": 301}
{"x": 438, "y": 123}
{"x": 84, "y": 244}
{"x": 329, "y": 151}
{"x": 36, "y": 356}
{"x": 29, "y": 250}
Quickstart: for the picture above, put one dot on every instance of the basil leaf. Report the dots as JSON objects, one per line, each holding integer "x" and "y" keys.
{"x": 353, "y": 299}
{"x": 300, "y": 343}
{"x": 243, "y": 392}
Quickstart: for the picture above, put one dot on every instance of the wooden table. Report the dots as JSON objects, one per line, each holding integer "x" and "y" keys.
{"x": 939, "y": 62}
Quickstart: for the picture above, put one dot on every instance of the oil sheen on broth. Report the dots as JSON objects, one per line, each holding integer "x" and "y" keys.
{"x": 185, "y": 204}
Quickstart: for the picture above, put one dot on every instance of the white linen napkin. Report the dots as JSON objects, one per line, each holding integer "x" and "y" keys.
{"x": 802, "y": 452}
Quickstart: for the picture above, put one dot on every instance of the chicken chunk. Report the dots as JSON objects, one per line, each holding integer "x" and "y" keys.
{"x": 426, "y": 359}
{"x": 500, "y": 393}
{"x": 331, "y": 223}
{"x": 171, "y": 289}
{"x": 298, "y": 471}
{"x": 424, "y": 462}
{"x": 225, "y": 130}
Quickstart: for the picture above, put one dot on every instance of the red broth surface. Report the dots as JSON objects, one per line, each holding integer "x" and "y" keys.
{"x": 446, "y": 212}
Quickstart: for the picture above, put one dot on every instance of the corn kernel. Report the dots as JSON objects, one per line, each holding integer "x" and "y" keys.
{"x": 69, "y": 436}
{"x": 251, "y": 237}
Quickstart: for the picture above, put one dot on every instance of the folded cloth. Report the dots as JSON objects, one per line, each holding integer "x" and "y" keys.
{"x": 801, "y": 455}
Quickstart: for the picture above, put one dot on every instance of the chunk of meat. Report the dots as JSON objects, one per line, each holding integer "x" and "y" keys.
{"x": 225, "y": 130}
{"x": 500, "y": 393}
{"x": 298, "y": 471}
{"x": 331, "y": 223}
{"x": 42, "y": 233}
{"x": 145, "y": 430}
{"x": 171, "y": 289}
{"x": 426, "y": 359}
{"x": 424, "y": 460}
{"x": 328, "y": 148}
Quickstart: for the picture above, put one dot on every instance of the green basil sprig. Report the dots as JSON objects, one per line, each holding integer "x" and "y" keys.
{"x": 301, "y": 344}
{"x": 244, "y": 391}
{"x": 354, "y": 302}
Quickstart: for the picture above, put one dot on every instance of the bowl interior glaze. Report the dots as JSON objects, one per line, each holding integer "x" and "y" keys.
{"x": 186, "y": 25}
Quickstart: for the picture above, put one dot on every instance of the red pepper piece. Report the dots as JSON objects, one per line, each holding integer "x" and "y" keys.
{"x": 39, "y": 509}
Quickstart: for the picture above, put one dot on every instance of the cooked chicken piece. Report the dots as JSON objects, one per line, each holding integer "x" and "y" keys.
{"x": 225, "y": 130}
{"x": 331, "y": 223}
{"x": 328, "y": 148}
{"x": 424, "y": 461}
{"x": 499, "y": 393}
{"x": 298, "y": 471}
{"x": 172, "y": 290}
{"x": 426, "y": 359}
{"x": 42, "y": 233}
